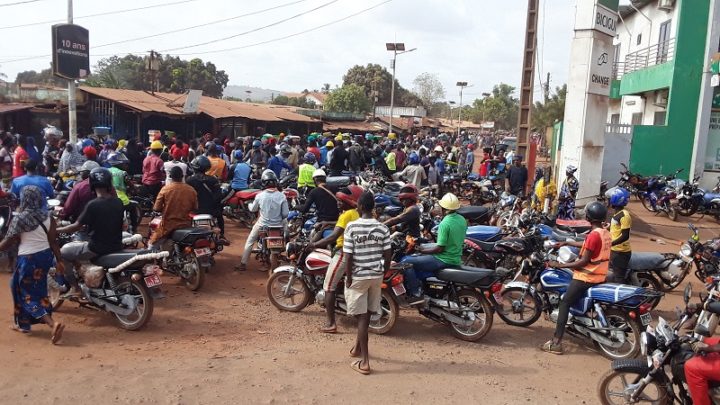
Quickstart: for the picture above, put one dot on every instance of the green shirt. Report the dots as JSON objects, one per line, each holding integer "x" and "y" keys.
{"x": 305, "y": 175}
{"x": 451, "y": 236}
{"x": 118, "y": 182}
{"x": 390, "y": 161}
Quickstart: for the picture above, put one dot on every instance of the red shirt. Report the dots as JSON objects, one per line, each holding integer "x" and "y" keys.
{"x": 20, "y": 157}
{"x": 315, "y": 151}
{"x": 183, "y": 152}
{"x": 152, "y": 170}
{"x": 593, "y": 243}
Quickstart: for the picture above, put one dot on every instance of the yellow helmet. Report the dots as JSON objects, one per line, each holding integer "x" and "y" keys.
{"x": 156, "y": 145}
{"x": 450, "y": 202}
{"x": 338, "y": 138}
{"x": 329, "y": 144}
{"x": 392, "y": 135}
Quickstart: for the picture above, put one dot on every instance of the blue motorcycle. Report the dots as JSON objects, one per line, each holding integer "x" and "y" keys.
{"x": 612, "y": 316}
{"x": 659, "y": 195}
{"x": 692, "y": 199}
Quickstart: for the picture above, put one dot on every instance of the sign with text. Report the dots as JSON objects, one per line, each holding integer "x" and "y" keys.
{"x": 600, "y": 69}
{"x": 593, "y": 16}
{"x": 712, "y": 150}
{"x": 71, "y": 51}
{"x": 192, "y": 102}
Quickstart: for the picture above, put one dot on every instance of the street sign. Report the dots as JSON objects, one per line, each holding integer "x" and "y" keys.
{"x": 600, "y": 69}
{"x": 71, "y": 51}
{"x": 192, "y": 102}
{"x": 596, "y": 17}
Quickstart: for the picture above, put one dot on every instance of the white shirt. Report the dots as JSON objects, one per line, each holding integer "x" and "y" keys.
{"x": 169, "y": 165}
{"x": 35, "y": 240}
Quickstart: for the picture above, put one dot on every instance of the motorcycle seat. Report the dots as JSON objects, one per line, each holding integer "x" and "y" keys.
{"x": 179, "y": 235}
{"x": 560, "y": 235}
{"x": 248, "y": 194}
{"x": 482, "y": 232}
{"x": 473, "y": 212}
{"x": 482, "y": 245}
{"x": 579, "y": 226}
{"x": 117, "y": 258}
{"x": 464, "y": 274}
{"x": 614, "y": 293}
{"x": 648, "y": 261}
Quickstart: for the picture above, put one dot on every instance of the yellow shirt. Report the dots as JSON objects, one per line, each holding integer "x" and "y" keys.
{"x": 540, "y": 195}
{"x": 217, "y": 167}
{"x": 390, "y": 161}
{"x": 618, "y": 223}
{"x": 343, "y": 220}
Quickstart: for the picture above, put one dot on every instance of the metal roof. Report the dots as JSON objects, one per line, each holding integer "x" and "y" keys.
{"x": 11, "y": 107}
{"x": 171, "y": 104}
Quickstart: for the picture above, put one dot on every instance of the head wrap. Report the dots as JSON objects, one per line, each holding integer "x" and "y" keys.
{"x": 30, "y": 214}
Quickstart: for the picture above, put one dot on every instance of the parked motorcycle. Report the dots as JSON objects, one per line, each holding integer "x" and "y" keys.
{"x": 295, "y": 286}
{"x": 659, "y": 377}
{"x": 692, "y": 199}
{"x": 705, "y": 255}
{"x": 657, "y": 271}
{"x": 610, "y": 315}
{"x": 658, "y": 196}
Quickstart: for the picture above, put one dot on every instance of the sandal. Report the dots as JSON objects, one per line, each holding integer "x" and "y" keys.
{"x": 328, "y": 329}
{"x": 551, "y": 347}
{"x": 57, "y": 332}
{"x": 356, "y": 366}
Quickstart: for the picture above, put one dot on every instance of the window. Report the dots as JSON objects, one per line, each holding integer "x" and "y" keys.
{"x": 636, "y": 119}
{"x": 615, "y": 119}
{"x": 664, "y": 42}
{"x": 639, "y": 39}
{"x": 659, "y": 118}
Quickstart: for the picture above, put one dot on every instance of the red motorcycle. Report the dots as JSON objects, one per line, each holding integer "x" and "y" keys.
{"x": 237, "y": 206}
{"x": 295, "y": 286}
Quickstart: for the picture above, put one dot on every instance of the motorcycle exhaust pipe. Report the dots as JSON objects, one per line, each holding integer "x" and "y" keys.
{"x": 451, "y": 317}
{"x": 599, "y": 338}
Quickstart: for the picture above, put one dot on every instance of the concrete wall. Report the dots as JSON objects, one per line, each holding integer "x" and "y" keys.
{"x": 636, "y": 24}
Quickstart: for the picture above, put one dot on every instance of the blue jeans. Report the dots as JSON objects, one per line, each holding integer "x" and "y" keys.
{"x": 423, "y": 264}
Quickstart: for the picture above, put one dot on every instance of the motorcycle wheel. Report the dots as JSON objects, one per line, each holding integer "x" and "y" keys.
{"x": 519, "y": 307}
{"x": 614, "y": 385}
{"x": 672, "y": 213}
{"x": 195, "y": 274}
{"x": 475, "y": 302}
{"x": 144, "y": 304}
{"x": 686, "y": 208}
{"x": 389, "y": 309}
{"x": 648, "y": 282}
{"x": 295, "y": 299}
{"x": 620, "y": 321}
{"x": 646, "y": 203}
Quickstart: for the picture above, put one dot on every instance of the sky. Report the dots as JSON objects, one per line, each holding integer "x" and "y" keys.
{"x": 478, "y": 41}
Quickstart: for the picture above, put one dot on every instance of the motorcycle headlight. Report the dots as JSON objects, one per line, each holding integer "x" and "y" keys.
{"x": 686, "y": 250}
{"x": 648, "y": 343}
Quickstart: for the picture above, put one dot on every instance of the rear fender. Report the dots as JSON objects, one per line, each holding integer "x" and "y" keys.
{"x": 288, "y": 269}
{"x": 518, "y": 284}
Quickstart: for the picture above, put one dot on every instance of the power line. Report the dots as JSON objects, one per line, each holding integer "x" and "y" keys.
{"x": 99, "y": 14}
{"x": 201, "y": 25}
{"x": 19, "y": 2}
{"x": 252, "y": 30}
{"x": 290, "y": 35}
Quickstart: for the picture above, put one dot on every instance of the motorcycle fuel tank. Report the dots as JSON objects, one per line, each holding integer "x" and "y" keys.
{"x": 556, "y": 279}
{"x": 319, "y": 259}
{"x": 481, "y": 232}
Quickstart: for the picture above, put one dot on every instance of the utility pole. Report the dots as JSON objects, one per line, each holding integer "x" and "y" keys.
{"x": 462, "y": 85}
{"x": 153, "y": 65}
{"x": 394, "y": 47}
{"x": 72, "y": 100}
{"x": 524, "y": 146}
{"x": 547, "y": 88}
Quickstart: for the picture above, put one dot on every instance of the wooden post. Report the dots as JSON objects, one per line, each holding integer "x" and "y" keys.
{"x": 527, "y": 87}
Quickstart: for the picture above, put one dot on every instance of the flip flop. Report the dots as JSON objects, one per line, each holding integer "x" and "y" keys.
{"x": 328, "y": 329}
{"x": 57, "y": 333}
{"x": 19, "y": 330}
{"x": 356, "y": 355}
{"x": 356, "y": 366}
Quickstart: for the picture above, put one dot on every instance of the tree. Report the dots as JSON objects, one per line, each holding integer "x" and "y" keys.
{"x": 428, "y": 89}
{"x": 45, "y": 76}
{"x": 325, "y": 88}
{"x": 301, "y": 102}
{"x": 500, "y": 107}
{"x": 375, "y": 77}
{"x": 545, "y": 114}
{"x": 174, "y": 75}
{"x": 348, "y": 98}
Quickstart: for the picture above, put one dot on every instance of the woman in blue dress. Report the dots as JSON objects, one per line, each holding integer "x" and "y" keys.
{"x": 34, "y": 230}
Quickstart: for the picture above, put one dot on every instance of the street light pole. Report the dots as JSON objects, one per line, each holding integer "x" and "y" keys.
{"x": 72, "y": 100}
{"x": 394, "y": 47}
{"x": 462, "y": 85}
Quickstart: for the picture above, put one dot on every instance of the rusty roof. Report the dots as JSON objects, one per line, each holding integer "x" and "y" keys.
{"x": 360, "y": 126}
{"x": 11, "y": 107}
{"x": 171, "y": 104}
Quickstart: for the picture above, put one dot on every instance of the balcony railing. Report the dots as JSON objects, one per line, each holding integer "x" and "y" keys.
{"x": 653, "y": 55}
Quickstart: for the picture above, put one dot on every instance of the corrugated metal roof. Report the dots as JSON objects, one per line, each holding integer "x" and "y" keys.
{"x": 171, "y": 104}
{"x": 10, "y": 107}
{"x": 361, "y": 126}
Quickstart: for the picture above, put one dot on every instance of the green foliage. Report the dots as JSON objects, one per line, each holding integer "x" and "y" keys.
{"x": 545, "y": 114}
{"x": 301, "y": 102}
{"x": 175, "y": 75}
{"x": 501, "y": 106}
{"x": 45, "y": 76}
{"x": 375, "y": 77}
{"x": 348, "y": 98}
{"x": 428, "y": 89}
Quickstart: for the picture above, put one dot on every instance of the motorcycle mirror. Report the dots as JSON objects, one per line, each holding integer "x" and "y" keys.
{"x": 687, "y": 293}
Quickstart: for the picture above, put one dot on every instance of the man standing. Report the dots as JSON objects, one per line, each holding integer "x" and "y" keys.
{"x": 368, "y": 254}
{"x": 620, "y": 225}
{"x": 152, "y": 169}
{"x": 33, "y": 179}
{"x": 390, "y": 158}
{"x": 517, "y": 177}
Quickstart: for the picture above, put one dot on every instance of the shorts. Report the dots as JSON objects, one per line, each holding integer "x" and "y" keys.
{"x": 335, "y": 271}
{"x": 364, "y": 296}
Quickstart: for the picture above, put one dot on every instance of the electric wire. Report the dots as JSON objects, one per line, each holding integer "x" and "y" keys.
{"x": 19, "y": 2}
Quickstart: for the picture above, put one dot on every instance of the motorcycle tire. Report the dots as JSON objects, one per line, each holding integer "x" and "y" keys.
{"x": 648, "y": 282}
{"x": 620, "y": 320}
{"x": 276, "y": 285}
{"x": 646, "y": 203}
{"x": 140, "y": 292}
{"x": 197, "y": 275}
{"x": 512, "y": 296}
{"x": 672, "y": 213}
{"x": 483, "y": 314}
{"x": 686, "y": 208}
{"x": 654, "y": 392}
{"x": 390, "y": 311}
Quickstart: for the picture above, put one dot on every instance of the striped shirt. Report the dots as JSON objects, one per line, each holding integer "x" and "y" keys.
{"x": 366, "y": 240}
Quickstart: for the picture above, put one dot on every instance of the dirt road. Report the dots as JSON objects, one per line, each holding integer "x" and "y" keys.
{"x": 227, "y": 344}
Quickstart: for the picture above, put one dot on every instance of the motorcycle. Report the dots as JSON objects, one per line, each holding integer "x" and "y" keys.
{"x": 137, "y": 195}
{"x": 692, "y": 199}
{"x": 610, "y": 315}
{"x": 659, "y": 378}
{"x": 190, "y": 253}
{"x": 657, "y": 271}
{"x": 208, "y": 222}
{"x": 124, "y": 284}
{"x": 658, "y": 196}
{"x": 706, "y": 256}
{"x": 270, "y": 245}
{"x": 237, "y": 208}
{"x": 295, "y": 286}
{"x": 476, "y": 215}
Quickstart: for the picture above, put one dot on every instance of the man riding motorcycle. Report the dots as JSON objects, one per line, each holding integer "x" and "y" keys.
{"x": 590, "y": 269}
{"x": 700, "y": 370}
{"x": 326, "y": 204}
{"x": 102, "y": 218}
{"x": 447, "y": 252}
{"x": 81, "y": 193}
{"x": 306, "y": 172}
{"x": 175, "y": 201}
{"x": 257, "y": 157}
{"x": 240, "y": 172}
{"x": 273, "y": 208}
{"x": 152, "y": 169}
{"x": 209, "y": 194}
{"x": 410, "y": 217}
{"x": 347, "y": 201}
{"x": 414, "y": 173}
{"x": 118, "y": 168}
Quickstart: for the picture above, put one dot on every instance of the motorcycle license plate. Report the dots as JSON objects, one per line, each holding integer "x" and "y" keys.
{"x": 202, "y": 252}
{"x": 645, "y": 319}
{"x": 399, "y": 289}
{"x": 274, "y": 243}
{"x": 152, "y": 280}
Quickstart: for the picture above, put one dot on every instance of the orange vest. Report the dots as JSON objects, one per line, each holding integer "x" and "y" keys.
{"x": 217, "y": 167}
{"x": 596, "y": 271}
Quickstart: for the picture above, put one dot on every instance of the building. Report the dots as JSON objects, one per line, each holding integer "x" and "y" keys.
{"x": 315, "y": 97}
{"x": 661, "y": 96}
